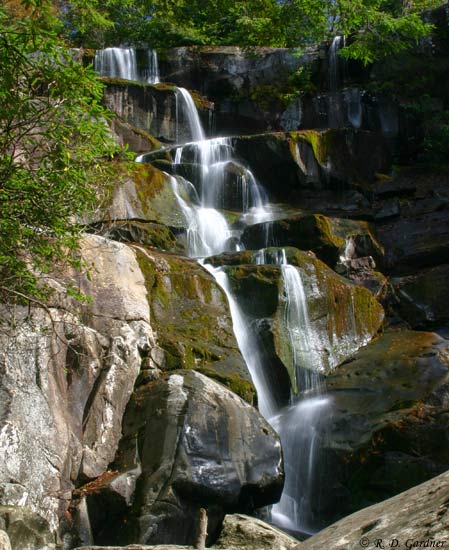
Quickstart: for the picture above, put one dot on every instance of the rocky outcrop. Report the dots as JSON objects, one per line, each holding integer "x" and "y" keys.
{"x": 416, "y": 518}
{"x": 197, "y": 445}
{"x": 66, "y": 379}
{"x": 157, "y": 109}
{"x": 190, "y": 314}
{"x": 343, "y": 317}
{"x": 388, "y": 426}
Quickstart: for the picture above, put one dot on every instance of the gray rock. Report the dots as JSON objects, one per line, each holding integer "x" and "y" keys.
{"x": 198, "y": 445}
{"x": 66, "y": 381}
{"x": 24, "y": 530}
{"x": 419, "y": 514}
{"x": 247, "y": 533}
{"x": 153, "y": 109}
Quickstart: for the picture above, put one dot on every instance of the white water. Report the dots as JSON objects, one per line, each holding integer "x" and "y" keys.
{"x": 117, "y": 63}
{"x": 122, "y": 63}
{"x": 186, "y": 106}
{"x": 152, "y": 73}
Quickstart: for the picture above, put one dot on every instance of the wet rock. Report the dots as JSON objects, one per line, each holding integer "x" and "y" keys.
{"x": 329, "y": 238}
{"x": 24, "y": 530}
{"x": 191, "y": 316}
{"x": 239, "y": 82}
{"x": 306, "y": 232}
{"x": 424, "y": 297}
{"x": 198, "y": 445}
{"x": 388, "y": 430}
{"x": 343, "y": 317}
{"x": 152, "y": 108}
{"x": 416, "y": 242}
{"x": 418, "y": 516}
{"x": 286, "y": 162}
{"x": 247, "y": 533}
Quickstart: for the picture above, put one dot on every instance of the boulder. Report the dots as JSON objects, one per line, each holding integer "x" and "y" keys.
{"x": 248, "y": 533}
{"x": 143, "y": 193}
{"x": 191, "y": 315}
{"x": 24, "y": 530}
{"x": 198, "y": 445}
{"x": 417, "y": 518}
{"x": 388, "y": 428}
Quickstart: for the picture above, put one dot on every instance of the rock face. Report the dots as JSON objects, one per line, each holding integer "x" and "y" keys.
{"x": 157, "y": 109}
{"x": 241, "y": 84}
{"x": 213, "y": 450}
{"x": 420, "y": 514}
{"x": 66, "y": 381}
{"x": 389, "y": 428}
{"x": 343, "y": 317}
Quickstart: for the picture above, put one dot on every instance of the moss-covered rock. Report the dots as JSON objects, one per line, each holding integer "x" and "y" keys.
{"x": 326, "y": 237}
{"x": 190, "y": 314}
{"x": 142, "y": 192}
{"x": 343, "y": 317}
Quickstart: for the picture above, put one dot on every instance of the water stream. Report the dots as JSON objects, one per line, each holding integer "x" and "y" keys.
{"x": 224, "y": 183}
{"x": 122, "y": 63}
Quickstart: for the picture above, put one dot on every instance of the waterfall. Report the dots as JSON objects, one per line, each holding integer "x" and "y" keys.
{"x": 117, "y": 63}
{"x": 122, "y": 63}
{"x": 335, "y": 63}
{"x": 152, "y": 73}
{"x": 224, "y": 182}
{"x": 186, "y": 105}
{"x": 336, "y": 66}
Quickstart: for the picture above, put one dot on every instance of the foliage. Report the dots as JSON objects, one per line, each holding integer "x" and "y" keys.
{"x": 53, "y": 137}
{"x": 379, "y": 28}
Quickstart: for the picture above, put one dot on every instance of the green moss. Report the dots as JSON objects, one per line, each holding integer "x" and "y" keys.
{"x": 235, "y": 383}
{"x": 321, "y": 142}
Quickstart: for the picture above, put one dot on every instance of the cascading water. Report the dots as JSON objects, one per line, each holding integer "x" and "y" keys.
{"x": 122, "y": 63}
{"x": 208, "y": 233}
{"x": 151, "y": 74}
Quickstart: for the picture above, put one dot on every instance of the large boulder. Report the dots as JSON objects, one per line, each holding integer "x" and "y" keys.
{"x": 417, "y": 518}
{"x": 388, "y": 429}
{"x": 197, "y": 445}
